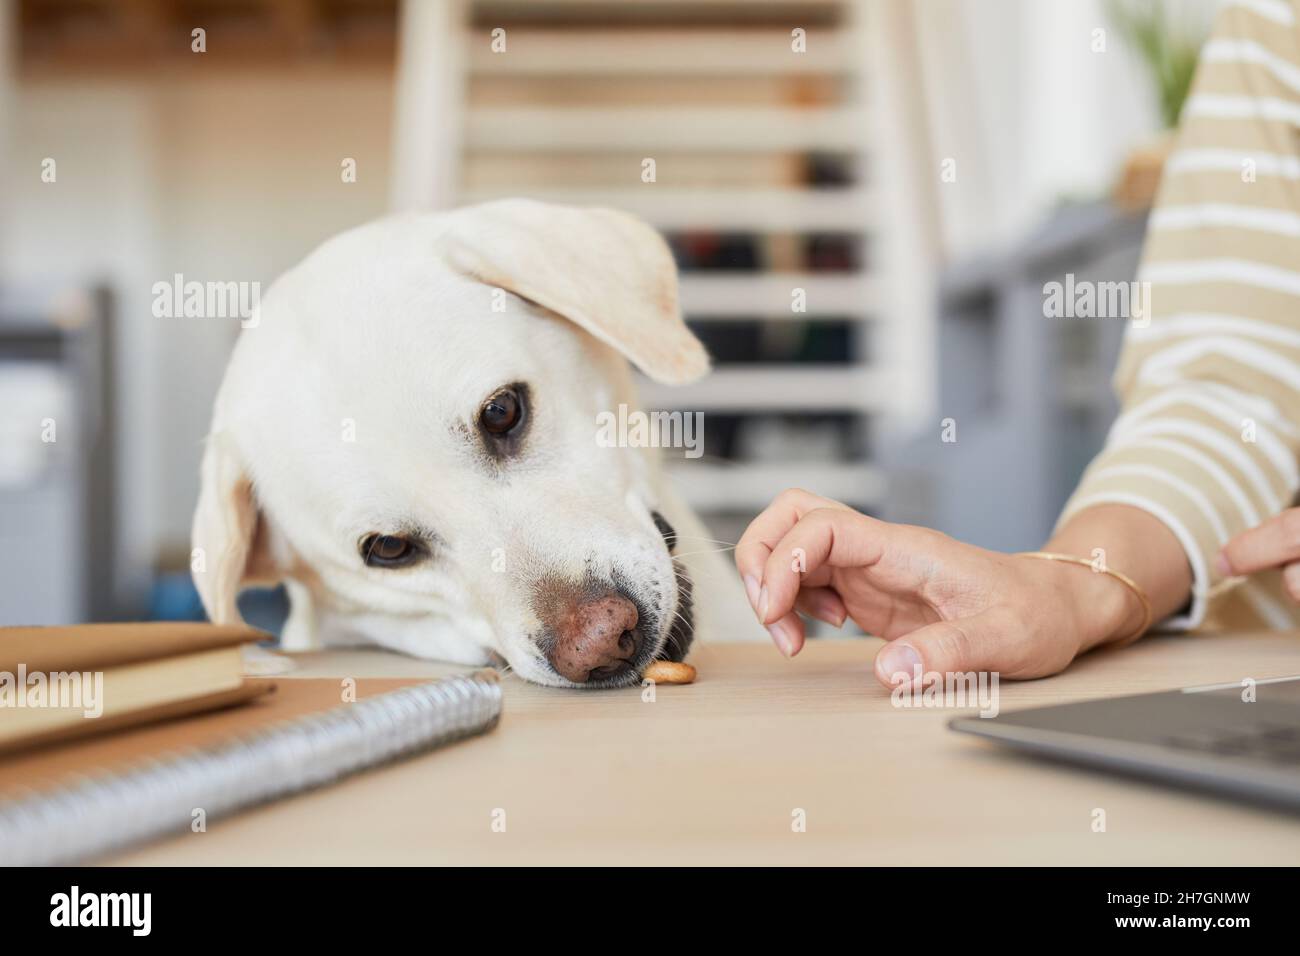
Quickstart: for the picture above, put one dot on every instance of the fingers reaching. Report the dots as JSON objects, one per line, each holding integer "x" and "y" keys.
{"x": 787, "y": 634}
{"x": 824, "y": 604}
{"x": 782, "y": 559}
{"x": 822, "y": 539}
{"x": 944, "y": 646}
{"x": 992, "y": 641}
{"x": 1272, "y": 544}
{"x": 769, "y": 527}
{"x": 1291, "y": 581}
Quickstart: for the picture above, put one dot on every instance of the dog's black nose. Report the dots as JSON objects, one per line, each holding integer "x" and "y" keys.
{"x": 594, "y": 638}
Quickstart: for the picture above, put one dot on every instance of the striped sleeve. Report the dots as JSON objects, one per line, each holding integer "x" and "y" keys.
{"x": 1208, "y": 438}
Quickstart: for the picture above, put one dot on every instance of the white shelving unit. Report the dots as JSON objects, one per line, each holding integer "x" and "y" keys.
{"x": 735, "y": 119}
{"x": 615, "y": 130}
{"x": 650, "y": 52}
{"x": 736, "y": 210}
{"x": 768, "y": 296}
{"x": 711, "y": 487}
{"x": 796, "y": 388}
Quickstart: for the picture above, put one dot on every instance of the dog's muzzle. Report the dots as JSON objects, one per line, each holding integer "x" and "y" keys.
{"x": 598, "y": 635}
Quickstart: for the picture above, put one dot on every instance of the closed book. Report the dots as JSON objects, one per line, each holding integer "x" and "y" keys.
{"x": 62, "y": 682}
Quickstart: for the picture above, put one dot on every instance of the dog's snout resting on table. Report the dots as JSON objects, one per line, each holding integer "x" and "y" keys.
{"x": 407, "y": 436}
{"x": 594, "y": 632}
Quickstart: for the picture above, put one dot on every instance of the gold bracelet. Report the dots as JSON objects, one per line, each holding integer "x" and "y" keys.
{"x": 1119, "y": 576}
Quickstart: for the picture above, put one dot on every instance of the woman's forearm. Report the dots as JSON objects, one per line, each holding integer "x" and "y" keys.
{"x": 1138, "y": 544}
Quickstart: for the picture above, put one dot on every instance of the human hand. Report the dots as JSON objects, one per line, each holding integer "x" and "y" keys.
{"x": 1273, "y": 544}
{"x": 942, "y": 605}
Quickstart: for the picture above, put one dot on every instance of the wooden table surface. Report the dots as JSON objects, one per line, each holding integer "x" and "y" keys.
{"x": 715, "y": 772}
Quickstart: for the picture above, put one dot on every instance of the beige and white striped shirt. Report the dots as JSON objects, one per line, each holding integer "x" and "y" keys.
{"x": 1208, "y": 439}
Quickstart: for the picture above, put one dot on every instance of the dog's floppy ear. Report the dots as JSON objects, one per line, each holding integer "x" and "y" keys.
{"x": 229, "y": 537}
{"x": 603, "y": 270}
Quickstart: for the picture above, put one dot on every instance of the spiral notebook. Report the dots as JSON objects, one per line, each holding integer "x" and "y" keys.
{"x": 80, "y": 800}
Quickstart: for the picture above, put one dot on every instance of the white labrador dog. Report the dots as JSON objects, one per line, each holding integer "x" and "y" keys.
{"x": 406, "y": 436}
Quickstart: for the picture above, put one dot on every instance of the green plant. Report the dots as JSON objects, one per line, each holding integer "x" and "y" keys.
{"x": 1169, "y": 53}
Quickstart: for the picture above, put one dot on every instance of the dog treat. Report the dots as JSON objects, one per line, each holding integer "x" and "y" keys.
{"x": 670, "y": 672}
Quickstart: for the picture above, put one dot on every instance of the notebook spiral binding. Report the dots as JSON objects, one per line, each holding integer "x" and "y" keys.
{"x": 109, "y": 811}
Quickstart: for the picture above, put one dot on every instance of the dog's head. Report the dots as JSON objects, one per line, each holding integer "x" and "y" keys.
{"x": 407, "y": 434}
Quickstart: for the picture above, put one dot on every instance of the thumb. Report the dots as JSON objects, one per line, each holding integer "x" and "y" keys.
{"x": 967, "y": 644}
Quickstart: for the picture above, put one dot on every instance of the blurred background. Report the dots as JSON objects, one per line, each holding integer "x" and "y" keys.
{"x": 865, "y": 197}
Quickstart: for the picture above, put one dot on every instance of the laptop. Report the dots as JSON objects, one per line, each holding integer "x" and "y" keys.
{"x": 1240, "y": 739}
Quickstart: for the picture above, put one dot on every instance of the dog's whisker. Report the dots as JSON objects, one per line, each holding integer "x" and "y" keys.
{"x": 691, "y": 554}
{"x": 700, "y": 537}
{"x": 722, "y": 549}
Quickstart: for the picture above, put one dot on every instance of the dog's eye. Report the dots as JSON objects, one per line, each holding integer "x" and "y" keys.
{"x": 503, "y": 412}
{"x": 387, "y": 550}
